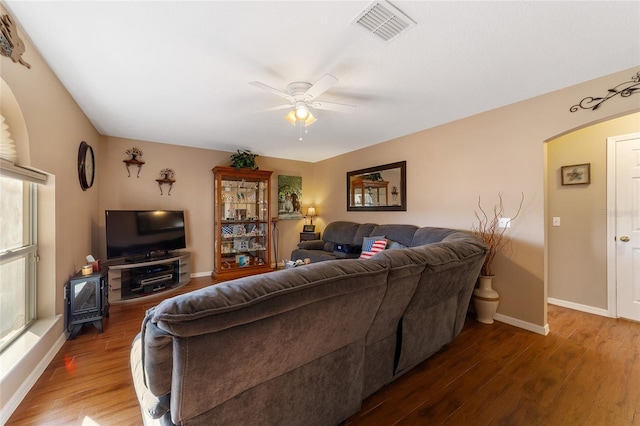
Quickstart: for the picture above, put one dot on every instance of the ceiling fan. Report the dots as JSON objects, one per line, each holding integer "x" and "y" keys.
{"x": 302, "y": 97}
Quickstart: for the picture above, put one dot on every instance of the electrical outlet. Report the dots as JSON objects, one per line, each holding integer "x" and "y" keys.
{"x": 556, "y": 221}
{"x": 504, "y": 222}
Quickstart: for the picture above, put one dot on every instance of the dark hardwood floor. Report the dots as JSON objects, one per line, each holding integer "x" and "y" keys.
{"x": 585, "y": 372}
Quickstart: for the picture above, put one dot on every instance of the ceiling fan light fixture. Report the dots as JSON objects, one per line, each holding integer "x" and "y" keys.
{"x": 302, "y": 112}
{"x": 310, "y": 120}
{"x": 291, "y": 117}
{"x": 301, "y": 115}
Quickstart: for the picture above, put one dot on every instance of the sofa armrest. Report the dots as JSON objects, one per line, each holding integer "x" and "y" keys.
{"x": 312, "y": 245}
{"x": 153, "y": 407}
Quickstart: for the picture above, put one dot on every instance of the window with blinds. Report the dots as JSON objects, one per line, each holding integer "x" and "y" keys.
{"x": 18, "y": 241}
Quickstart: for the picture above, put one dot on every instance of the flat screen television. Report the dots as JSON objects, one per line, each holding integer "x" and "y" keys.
{"x": 144, "y": 233}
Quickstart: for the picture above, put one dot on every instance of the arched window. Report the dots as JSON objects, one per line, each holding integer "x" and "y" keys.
{"x": 18, "y": 238}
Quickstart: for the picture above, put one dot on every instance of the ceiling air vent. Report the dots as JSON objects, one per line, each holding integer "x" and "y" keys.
{"x": 384, "y": 20}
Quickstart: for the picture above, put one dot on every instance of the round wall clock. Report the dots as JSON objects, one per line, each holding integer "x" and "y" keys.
{"x": 86, "y": 165}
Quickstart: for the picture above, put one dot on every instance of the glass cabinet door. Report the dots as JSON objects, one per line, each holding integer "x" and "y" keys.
{"x": 242, "y": 232}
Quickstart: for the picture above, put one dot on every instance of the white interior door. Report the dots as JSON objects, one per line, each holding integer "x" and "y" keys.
{"x": 627, "y": 233}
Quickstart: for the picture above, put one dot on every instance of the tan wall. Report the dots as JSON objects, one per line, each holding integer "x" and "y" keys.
{"x": 450, "y": 166}
{"x": 55, "y": 127}
{"x": 192, "y": 192}
{"x": 578, "y": 248}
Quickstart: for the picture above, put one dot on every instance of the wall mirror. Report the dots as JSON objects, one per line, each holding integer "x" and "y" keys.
{"x": 381, "y": 188}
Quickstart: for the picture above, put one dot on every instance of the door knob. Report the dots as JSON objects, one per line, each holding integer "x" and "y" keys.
{"x": 624, "y": 239}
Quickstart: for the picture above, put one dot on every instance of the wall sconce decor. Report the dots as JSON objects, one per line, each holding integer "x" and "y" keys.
{"x": 166, "y": 178}
{"x": 134, "y": 159}
{"x": 10, "y": 43}
{"x": 625, "y": 90}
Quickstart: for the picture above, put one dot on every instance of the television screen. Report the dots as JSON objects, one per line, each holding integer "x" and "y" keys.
{"x": 144, "y": 232}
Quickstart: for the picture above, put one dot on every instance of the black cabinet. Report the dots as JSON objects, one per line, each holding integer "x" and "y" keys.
{"x": 86, "y": 300}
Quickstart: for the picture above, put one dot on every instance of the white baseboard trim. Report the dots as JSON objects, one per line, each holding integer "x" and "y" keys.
{"x": 31, "y": 379}
{"x": 578, "y": 307}
{"x": 201, "y": 274}
{"x": 522, "y": 324}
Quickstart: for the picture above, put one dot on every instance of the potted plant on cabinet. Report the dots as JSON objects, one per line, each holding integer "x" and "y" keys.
{"x": 492, "y": 231}
{"x": 244, "y": 160}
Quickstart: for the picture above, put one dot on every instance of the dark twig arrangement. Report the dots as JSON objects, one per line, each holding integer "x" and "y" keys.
{"x": 488, "y": 228}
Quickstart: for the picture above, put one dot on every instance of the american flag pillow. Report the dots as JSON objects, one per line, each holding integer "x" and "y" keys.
{"x": 378, "y": 246}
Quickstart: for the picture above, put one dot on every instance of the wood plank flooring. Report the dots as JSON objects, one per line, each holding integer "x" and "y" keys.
{"x": 585, "y": 372}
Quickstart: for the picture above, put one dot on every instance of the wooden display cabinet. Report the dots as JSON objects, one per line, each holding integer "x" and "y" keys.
{"x": 241, "y": 234}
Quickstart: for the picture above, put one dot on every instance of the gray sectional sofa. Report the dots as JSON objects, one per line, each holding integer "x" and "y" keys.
{"x": 305, "y": 345}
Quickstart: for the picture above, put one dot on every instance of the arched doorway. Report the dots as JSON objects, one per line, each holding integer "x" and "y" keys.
{"x": 577, "y": 243}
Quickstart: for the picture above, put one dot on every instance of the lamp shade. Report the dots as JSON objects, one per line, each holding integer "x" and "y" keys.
{"x": 311, "y": 211}
{"x": 294, "y": 116}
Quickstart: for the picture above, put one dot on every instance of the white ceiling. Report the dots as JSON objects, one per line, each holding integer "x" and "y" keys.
{"x": 178, "y": 71}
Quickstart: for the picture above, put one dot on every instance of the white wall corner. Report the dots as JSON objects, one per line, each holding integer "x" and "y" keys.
{"x": 544, "y": 330}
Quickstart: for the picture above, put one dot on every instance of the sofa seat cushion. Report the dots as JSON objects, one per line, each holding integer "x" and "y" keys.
{"x": 311, "y": 245}
{"x": 314, "y": 256}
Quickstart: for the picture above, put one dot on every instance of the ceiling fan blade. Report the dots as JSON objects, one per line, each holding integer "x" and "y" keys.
{"x": 277, "y": 108}
{"x": 331, "y": 106}
{"x": 272, "y": 90}
{"x": 320, "y": 87}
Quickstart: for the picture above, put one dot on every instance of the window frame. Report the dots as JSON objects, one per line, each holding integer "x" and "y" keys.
{"x": 28, "y": 251}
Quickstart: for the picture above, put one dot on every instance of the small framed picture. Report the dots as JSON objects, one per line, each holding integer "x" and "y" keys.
{"x": 577, "y": 174}
{"x": 243, "y": 260}
{"x": 308, "y": 228}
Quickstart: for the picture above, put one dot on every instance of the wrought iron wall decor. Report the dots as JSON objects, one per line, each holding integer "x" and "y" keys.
{"x": 625, "y": 89}
{"x": 167, "y": 177}
{"x": 134, "y": 159}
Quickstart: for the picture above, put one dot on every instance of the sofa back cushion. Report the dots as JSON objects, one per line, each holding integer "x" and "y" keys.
{"x": 340, "y": 232}
{"x": 345, "y": 232}
{"x": 364, "y": 230}
{"x": 405, "y": 269}
{"x": 429, "y": 235}
{"x": 436, "y": 313}
{"x": 268, "y": 324}
{"x": 402, "y": 234}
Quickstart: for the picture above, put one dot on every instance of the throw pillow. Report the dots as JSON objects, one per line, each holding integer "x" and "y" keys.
{"x": 395, "y": 245}
{"x": 367, "y": 242}
{"x": 376, "y": 247}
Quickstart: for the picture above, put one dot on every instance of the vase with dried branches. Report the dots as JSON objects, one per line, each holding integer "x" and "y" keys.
{"x": 491, "y": 228}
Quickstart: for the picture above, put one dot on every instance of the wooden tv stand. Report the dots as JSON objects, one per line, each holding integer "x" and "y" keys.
{"x": 144, "y": 278}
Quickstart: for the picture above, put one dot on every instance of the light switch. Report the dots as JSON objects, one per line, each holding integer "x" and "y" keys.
{"x": 556, "y": 221}
{"x": 504, "y": 222}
